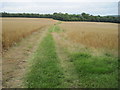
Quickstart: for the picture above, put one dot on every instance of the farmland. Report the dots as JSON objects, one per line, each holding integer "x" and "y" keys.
{"x": 14, "y": 29}
{"x": 97, "y": 35}
{"x": 54, "y": 54}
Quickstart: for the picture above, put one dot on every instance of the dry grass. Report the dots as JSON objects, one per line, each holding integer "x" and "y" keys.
{"x": 92, "y": 34}
{"x": 15, "y": 29}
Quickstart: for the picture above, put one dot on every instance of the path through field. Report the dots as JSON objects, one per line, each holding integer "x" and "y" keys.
{"x": 16, "y": 58}
{"x": 71, "y": 78}
{"x": 52, "y": 65}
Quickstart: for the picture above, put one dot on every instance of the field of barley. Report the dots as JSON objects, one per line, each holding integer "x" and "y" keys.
{"x": 64, "y": 55}
{"x": 14, "y": 29}
{"x": 92, "y": 34}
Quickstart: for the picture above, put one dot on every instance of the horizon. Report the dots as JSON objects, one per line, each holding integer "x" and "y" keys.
{"x": 59, "y": 12}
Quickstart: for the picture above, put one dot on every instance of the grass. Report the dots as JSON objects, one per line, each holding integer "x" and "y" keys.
{"x": 94, "y": 71}
{"x": 45, "y": 71}
{"x": 16, "y": 29}
{"x": 56, "y": 28}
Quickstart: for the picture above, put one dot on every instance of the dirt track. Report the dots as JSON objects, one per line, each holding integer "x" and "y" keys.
{"x": 15, "y": 59}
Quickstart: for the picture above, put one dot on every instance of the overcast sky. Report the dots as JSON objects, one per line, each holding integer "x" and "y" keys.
{"x": 94, "y": 7}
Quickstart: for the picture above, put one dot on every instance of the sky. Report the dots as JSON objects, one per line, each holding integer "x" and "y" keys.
{"x": 93, "y": 7}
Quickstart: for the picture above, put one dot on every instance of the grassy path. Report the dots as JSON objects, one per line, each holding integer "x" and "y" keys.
{"x": 45, "y": 71}
{"x": 71, "y": 79}
{"x": 50, "y": 67}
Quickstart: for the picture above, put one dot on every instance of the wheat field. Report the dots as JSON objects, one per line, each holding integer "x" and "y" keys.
{"x": 92, "y": 34}
{"x": 14, "y": 29}
{"x": 67, "y": 51}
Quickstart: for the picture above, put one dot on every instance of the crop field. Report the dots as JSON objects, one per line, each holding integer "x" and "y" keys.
{"x": 92, "y": 34}
{"x": 14, "y": 29}
{"x": 63, "y": 55}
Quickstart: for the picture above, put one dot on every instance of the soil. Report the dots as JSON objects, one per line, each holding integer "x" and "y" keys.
{"x": 15, "y": 59}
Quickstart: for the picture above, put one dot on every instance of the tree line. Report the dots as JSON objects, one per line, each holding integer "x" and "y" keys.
{"x": 66, "y": 17}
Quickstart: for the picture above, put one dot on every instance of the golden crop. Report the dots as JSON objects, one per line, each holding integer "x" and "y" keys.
{"x": 14, "y": 29}
{"x": 92, "y": 34}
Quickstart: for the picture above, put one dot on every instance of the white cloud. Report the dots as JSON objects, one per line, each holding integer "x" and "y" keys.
{"x": 59, "y": 1}
{"x": 94, "y": 8}
{"x": 90, "y": 0}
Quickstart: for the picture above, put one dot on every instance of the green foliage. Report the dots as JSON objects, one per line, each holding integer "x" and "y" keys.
{"x": 94, "y": 71}
{"x": 30, "y": 15}
{"x": 67, "y": 17}
{"x": 45, "y": 71}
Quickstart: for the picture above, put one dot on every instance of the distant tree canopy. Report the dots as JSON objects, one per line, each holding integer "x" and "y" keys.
{"x": 66, "y": 17}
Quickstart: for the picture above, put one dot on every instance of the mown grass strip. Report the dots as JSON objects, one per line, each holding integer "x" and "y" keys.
{"x": 45, "y": 71}
{"x": 96, "y": 71}
{"x": 56, "y": 28}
